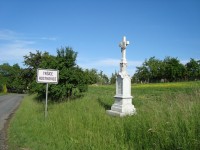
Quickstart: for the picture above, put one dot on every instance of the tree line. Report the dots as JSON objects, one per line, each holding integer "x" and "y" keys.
{"x": 73, "y": 80}
{"x": 168, "y": 70}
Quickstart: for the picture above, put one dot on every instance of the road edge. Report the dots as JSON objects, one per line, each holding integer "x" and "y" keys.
{"x": 4, "y": 131}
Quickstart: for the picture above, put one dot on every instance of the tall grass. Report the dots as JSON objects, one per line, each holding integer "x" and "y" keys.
{"x": 167, "y": 118}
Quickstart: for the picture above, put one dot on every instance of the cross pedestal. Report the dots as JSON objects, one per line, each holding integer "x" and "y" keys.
{"x": 123, "y": 100}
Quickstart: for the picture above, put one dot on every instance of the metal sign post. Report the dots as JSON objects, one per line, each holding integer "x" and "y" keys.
{"x": 47, "y": 76}
{"x": 46, "y": 100}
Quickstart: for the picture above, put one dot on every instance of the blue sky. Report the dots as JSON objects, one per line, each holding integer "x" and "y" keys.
{"x": 94, "y": 28}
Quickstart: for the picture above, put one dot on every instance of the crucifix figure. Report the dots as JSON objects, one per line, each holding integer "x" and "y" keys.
{"x": 123, "y": 46}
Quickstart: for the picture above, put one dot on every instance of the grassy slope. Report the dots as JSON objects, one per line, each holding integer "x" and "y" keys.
{"x": 167, "y": 118}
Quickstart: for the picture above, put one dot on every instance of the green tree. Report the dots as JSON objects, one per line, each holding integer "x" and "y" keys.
{"x": 193, "y": 69}
{"x": 142, "y": 74}
{"x": 92, "y": 76}
{"x": 5, "y": 73}
{"x": 11, "y": 78}
{"x": 105, "y": 79}
{"x": 17, "y": 84}
{"x": 113, "y": 78}
{"x": 173, "y": 69}
{"x": 155, "y": 69}
{"x": 33, "y": 61}
{"x": 72, "y": 79}
{"x": 102, "y": 78}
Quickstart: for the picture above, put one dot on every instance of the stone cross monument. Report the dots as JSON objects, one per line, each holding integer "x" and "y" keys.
{"x": 123, "y": 100}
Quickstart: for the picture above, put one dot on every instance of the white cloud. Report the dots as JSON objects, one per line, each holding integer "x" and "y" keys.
{"x": 184, "y": 61}
{"x": 108, "y": 65}
{"x": 135, "y": 63}
{"x": 13, "y": 46}
{"x": 108, "y": 62}
{"x": 14, "y": 51}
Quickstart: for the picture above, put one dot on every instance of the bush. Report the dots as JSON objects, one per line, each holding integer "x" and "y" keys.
{"x": 72, "y": 79}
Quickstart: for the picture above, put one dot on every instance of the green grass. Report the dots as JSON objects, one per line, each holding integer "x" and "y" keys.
{"x": 167, "y": 118}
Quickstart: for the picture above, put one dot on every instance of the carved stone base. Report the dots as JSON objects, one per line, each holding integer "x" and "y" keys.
{"x": 122, "y": 107}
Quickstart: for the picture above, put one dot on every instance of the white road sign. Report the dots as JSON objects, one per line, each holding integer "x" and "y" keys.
{"x": 47, "y": 76}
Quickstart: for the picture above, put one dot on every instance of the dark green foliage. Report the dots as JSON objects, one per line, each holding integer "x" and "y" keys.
{"x": 113, "y": 78}
{"x": 72, "y": 84}
{"x": 72, "y": 79}
{"x": 11, "y": 78}
{"x": 1, "y": 88}
{"x": 93, "y": 77}
{"x": 103, "y": 79}
{"x": 33, "y": 61}
{"x": 193, "y": 69}
{"x": 66, "y": 57}
{"x": 5, "y": 73}
{"x": 142, "y": 74}
{"x": 168, "y": 70}
{"x": 155, "y": 68}
{"x": 173, "y": 69}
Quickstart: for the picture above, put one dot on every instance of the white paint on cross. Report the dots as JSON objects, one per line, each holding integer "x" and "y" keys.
{"x": 123, "y": 46}
{"x": 123, "y": 63}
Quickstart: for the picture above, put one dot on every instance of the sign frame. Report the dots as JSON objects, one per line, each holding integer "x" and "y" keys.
{"x": 38, "y": 80}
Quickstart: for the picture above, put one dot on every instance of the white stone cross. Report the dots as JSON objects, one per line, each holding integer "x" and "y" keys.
{"x": 123, "y": 100}
{"x": 123, "y": 45}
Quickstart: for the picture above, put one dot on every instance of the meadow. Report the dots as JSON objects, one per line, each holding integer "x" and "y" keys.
{"x": 168, "y": 117}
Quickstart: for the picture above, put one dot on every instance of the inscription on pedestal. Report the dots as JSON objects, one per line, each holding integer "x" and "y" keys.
{"x": 119, "y": 87}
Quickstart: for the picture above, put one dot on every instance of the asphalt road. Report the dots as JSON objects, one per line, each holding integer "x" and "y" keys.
{"x": 8, "y": 103}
